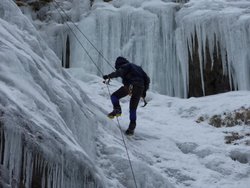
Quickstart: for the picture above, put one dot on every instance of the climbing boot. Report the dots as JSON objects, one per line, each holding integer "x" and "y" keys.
{"x": 129, "y": 132}
{"x": 115, "y": 113}
{"x": 131, "y": 128}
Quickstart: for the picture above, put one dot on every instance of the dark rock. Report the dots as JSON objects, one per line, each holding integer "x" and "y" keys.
{"x": 233, "y": 137}
{"x": 35, "y": 4}
{"x": 215, "y": 81}
{"x": 216, "y": 121}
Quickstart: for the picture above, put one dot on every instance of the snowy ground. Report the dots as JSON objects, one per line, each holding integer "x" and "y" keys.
{"x": 169, "y": 145}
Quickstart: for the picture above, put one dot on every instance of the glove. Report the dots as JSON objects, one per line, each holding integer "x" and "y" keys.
{"x": 105, "y": 77}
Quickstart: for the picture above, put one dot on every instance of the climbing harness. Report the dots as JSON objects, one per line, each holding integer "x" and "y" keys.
{"x": 130, "y": 89}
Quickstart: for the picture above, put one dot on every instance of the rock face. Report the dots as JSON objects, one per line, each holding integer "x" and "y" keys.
{"x": 215, "y": 80}
{"x": 35, "y": 4}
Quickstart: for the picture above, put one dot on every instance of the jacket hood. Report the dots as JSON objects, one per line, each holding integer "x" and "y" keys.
{"x": 120, "y": 61}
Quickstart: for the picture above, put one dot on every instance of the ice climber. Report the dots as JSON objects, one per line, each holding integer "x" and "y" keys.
{"x": 135, "y": 83}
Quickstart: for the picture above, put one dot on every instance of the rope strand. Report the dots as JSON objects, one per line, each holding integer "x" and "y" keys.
{"x": 80, "y": 43}
{"x": 125, "y": 145}
{"x": 98, "y": 51}
{"x": 119, "y": 125}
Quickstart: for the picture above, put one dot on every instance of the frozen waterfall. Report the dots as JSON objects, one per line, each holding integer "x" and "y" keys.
{"x": 159, "y": 36}
{"x": 141, "y": 34}
{"x": 47, "y": 128}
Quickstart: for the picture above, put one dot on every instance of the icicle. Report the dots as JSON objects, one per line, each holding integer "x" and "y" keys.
{"x": 2, "y": 142}
{"x": 145, "y": 36}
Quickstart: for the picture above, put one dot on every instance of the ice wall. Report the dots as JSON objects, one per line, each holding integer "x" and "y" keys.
{"x": 49, "y": 17}
{"x": 159, "y": 36}
{"x": 162, "y": 36}
{"x": 145, "y": 35}
{"x": 34, "y": 157}
{"x": 47, "y": 126}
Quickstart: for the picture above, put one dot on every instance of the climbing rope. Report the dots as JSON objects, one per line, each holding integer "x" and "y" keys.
{"x": 119, "y": 125}
{"x": 78, "y": 38}
{"x": 68, "y": 18}
{"x": 125, "y": 145}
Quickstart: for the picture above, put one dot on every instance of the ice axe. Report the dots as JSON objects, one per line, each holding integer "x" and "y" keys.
{"x": 145, "y": 102}
{"x": 107, "y": 81}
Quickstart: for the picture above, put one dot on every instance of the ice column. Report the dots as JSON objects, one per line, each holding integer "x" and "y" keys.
{"x": 144, "y": 35}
